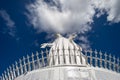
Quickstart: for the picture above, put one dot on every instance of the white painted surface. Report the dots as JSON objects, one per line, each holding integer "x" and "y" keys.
{"x": 70, "y": 73}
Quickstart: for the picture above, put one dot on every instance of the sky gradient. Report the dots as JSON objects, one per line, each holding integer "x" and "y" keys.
{"x": 19, "y": 36}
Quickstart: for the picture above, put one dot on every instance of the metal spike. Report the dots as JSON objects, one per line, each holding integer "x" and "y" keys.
{"x": 32, "y": 54}
{"x": 21, "y": 67}
{"x": 24, "y": 63}
{"x": 90, "y": 51}
{"x": 38, "y": 60}
{"x": 28, "y": 61}
{"x": 110, "y": 61}
{"x": 33, "y": 63}
{"x": 114, "y": 63}
{"x": 6, "y": 78}
{"x": 17, "y": 70}
{"x": 118, "y": 64}
{"x": 42, "y": 58}
{"x": 13, "y": 68}
{"x": 96, "y": 58}
{"x": 100, "y": 58}
{"x": 8, "y": 73}
{"x": 3, "y": 77}
{"x": 105, "y": 60}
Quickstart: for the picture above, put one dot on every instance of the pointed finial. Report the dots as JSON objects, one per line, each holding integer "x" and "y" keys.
{"x": 110, "y": 56}
{"x": 16, "y": 63}
{"x": 95, "y": 51}
{"x": 20, "y": 61}
{"x": 37, "y": 53}
{"x": 105, "y": 54}
{"x": 28, "y": 56}
{"x": 32, "y": 54}
{"x": 23, "y": 58}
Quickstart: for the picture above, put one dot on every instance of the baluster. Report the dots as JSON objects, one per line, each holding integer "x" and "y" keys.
{"x": 33, "y": 62}
{"x": 90, "y": 57}
{"x": 0, "y": 78}
{"x": 105, "y": 60}
{"x": 6, "y": 78}
{"x": 86, "y": 58}
{"x": 118, "y": 64}
{"x": 11, "y": 73}
{"x": 48, "y": 59}
{"x": 3, "y": 77}
{"x": 96, "y": 60}
{"x": 17, "y": 69}
{"x": 13, "y": 68}
{"x": 28, "y": 61}
{"x": 43, "y": 62}
{"x": 24, "y": 63}
{"x": 38, "y": 60}
{"x": 110, "y": 61}
{"x": 114, "y": 65}
{"x": 21, "y": 67}
{"x": 8, "y": 73}
{"x": 100, "y": 58}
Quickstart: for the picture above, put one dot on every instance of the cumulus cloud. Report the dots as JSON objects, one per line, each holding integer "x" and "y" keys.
{"x": 9, "y": 23}
{"x": 61, "y": 15}
{"x": 68, "y": 16}
{"x": 111, "y": 7}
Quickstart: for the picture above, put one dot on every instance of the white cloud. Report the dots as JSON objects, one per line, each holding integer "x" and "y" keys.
{"x": 63, "y": 16}
{"x": 111, "y": 7}
{"x": 6, "y": 17}
{"x": 9, "y": 23}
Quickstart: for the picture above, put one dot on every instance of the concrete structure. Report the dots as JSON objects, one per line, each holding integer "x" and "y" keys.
{"x": 65, "y": 60}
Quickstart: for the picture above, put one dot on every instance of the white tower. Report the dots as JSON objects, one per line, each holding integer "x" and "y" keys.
{"x": 65, "y": 61}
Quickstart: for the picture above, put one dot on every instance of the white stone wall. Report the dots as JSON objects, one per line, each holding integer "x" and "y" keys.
{"x": 70, "y": 73}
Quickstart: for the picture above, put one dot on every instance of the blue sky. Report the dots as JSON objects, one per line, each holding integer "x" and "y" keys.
{"x": 20, "y": 35}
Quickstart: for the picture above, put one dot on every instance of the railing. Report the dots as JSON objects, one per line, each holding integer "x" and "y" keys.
{"x": 103, "y": 60}
{"x": 41, "y": 60}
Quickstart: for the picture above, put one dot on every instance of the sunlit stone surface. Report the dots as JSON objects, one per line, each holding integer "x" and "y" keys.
{"x": 70, "y": 73}
{"x": 65, "y": 61}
